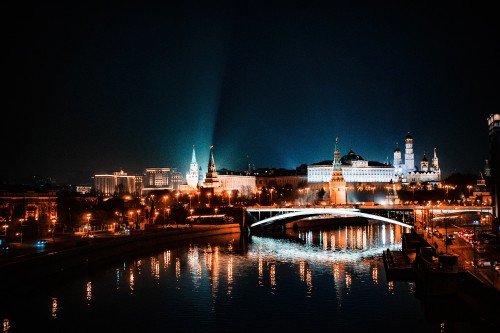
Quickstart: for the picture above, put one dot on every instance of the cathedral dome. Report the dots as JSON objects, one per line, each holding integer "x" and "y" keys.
{"x": 397, "y": 149}
{"x": 351, "y": 156}
{"x": 408, "y": 136}
{"x": 424, "y": 159}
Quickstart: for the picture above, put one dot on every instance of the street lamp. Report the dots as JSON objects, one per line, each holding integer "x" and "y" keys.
{"x": 259, "y": 191}
{"x": 229, "y": 198}
{"x": 190, "y": 196}
{"x": 474, "y": 244}
{"x": 177, "y": 197}
{"x": 209, "y": 195}
{"x": 88, "y": 222}
{"x": 271, "y": 191}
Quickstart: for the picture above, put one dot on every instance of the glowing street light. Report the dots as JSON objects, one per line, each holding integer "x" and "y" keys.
{"x": 271, "y": 190}
{"x": 259, "y": 191}
{"x": 177, "y": 197}
{"x": 229, "y": 198}
{"x": 209, "y": 195}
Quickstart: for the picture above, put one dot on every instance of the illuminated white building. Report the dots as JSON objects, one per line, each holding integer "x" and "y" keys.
{"x": 355, "y": 169}
{"x": 407, "y": 172}
{"x": 237, "y": 181}
{"x": 192, "y": 177}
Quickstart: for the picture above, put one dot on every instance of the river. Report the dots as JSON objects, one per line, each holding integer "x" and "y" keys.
{"x": 298, "y": 281}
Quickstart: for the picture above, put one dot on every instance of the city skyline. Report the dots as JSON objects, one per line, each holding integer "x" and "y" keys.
{"x": 95, "y": 88}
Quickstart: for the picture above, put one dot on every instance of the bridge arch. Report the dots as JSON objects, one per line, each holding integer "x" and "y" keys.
{"x": 286, "y": 214}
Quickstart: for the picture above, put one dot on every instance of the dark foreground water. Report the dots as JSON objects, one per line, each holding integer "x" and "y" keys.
{"x": 304, "y": 281}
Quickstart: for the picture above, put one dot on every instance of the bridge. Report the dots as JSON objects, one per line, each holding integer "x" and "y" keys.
{"x": 402, "y": 214}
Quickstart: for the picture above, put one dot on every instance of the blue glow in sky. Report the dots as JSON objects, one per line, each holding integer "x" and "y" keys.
{"x": 93, "y": 88}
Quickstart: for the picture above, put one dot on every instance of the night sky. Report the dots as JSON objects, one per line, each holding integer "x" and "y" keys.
{"x": 92, "y": 88}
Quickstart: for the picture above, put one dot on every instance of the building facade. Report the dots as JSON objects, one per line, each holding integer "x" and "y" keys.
{"x": 116, "y": 183}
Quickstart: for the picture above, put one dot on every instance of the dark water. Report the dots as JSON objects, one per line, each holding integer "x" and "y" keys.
{"x": 303, "y": 281}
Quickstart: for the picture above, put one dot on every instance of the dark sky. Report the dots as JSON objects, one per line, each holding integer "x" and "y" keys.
{"x": 94, "y": 87}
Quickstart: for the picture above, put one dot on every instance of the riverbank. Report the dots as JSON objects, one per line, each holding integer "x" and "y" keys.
{"x": 71, "y": 256}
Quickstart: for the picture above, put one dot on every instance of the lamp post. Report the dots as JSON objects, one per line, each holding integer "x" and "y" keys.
{"x": 165, "y": 197}
{"x": 446, "y": 234}
{"x": 469, "y": 187}
{"x": 88, "y": 222}
{"x": 209, "y": 195}
{"x": 259, "y": 191}
{"x": 373, "y": 193}
{"x": 388, "y": 198}
{"x": 474, "y": 245}
{"x": 190, "y": 196}
{"x": 215, "y": 210}
{"x": 177, "y": 197}
{"x": 271, "y": 191}
{"x": 229, "y": 198}
{"x": 307, "y": 196}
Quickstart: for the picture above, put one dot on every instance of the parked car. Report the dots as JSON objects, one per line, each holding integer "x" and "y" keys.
{"x": 485, "y": 263}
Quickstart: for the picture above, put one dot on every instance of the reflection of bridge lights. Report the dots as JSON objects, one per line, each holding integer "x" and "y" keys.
{"x": 348, "y": 280}
{"x": 309, "y": 281}
{"x": 375, "y": 275}
{"x": 230, "y": 275}
{"x": 166, "y": 259}
{"x": 261, "y": 270}
{"x": 131, "y": 281}
{"x": 302, "y": 270}
{"x": 89, "y": 292}
{"x": 272, "y": 276}
{"x": 54, "y": 307}
{"x": 390, "y": 286}
{"x": 177, "y": 268}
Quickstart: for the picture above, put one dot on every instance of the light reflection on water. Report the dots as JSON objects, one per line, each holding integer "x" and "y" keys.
{"x": 305, "y": 280}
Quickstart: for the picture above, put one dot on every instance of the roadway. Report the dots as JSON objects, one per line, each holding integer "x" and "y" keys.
{"x": 465, "y": 251}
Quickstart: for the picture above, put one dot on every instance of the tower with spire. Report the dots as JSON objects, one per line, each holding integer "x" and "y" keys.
{"x": 337, "y": 182}
{"x": 193, "y": 174}
{"x": 211, "y": 178}
{"x": 409, "y": 155}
